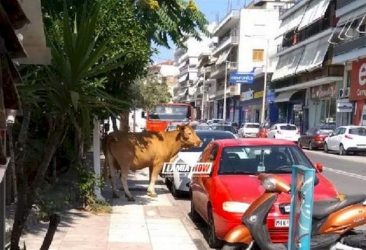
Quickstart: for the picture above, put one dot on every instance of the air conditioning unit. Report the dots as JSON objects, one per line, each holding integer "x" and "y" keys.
{"x": 346, "y": 92}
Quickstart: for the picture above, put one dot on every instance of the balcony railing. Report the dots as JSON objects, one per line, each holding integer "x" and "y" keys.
{"x": 348, "y": 46}
{"x": 230, "y": 40}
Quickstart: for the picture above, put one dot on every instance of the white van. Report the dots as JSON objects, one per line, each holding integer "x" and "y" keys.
{"x": 137, "y": 120}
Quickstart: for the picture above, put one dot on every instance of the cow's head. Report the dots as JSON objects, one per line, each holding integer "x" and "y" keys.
{"x": 188, "y": 136}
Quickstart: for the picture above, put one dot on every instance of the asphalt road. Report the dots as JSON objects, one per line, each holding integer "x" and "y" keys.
{"x": 347, "y": 173}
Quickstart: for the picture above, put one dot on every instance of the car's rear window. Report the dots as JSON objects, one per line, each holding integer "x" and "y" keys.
{"x": 288, "y": 127}
{"x": 252, "y": 125}
{"x": 357, "y": 131}
{"x": 206, "y": 138}
{"x": 324, "y": 132}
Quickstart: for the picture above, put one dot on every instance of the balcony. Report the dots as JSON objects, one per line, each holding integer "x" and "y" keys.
{"x": 227, "y": 22}
{"x": 343, "y": 3}
{"x": 219, "y": 70}
{"x": 349, "y": 46}
{"x": 229, "y": 41}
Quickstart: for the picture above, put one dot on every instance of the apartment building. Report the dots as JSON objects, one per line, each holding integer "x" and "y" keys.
{"x": 350, "y": 49}
{"x": 243, "y": 39}
{"x": 305, "y": 80}
{"x": 186, "y": 59}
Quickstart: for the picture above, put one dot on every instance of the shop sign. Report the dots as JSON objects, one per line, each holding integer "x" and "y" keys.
{"x": 247, "y": 95}
{"x": 344, "y": 106}
{"x": 297, "y": 107}
{"x": 237, "y": 77}
{"x": 358, "y": 81}
{"x": 258, "y": 94}
{"x": 234, "y": 90}
{"x": 323, "y": 91}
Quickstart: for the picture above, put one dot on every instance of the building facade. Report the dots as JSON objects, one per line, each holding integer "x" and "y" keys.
{"x": 305, "y": 81}
{"x": 243, "y": 39}
{"x": 350, "y": 49}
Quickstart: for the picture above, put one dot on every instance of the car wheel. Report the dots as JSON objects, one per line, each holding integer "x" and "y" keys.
{"x": 310, "y": 145}
{"x": 299, "y": 144}
{"x": 176, "y": 193}
{"x": 326, "y": 150}
{"x": 212, "y": 240}
{"x": 342, "y": 151}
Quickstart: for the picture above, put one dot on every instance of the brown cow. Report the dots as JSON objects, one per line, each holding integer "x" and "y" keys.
{"x": 133, "y": 151}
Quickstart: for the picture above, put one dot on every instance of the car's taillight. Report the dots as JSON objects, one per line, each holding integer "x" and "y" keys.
{"x": 348, "y": 137}
{"x": 319, "y": 138}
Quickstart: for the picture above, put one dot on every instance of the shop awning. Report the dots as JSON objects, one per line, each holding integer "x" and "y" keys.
{"x": 184, "y": 77}
{"x": 315, "y": 11}
{"x": 287, "y": 64}
{"x": 223, "y": 57}
{"x": 292, "y": 21}
{"x": 285, "y": 96}
{"x": 313, "y": 55}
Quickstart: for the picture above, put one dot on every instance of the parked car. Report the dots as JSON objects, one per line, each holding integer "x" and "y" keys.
{"x": 284, "y": 131}
{"x": 179, "y": 182}
{"x": 249, "y": 129}
{"x": 224, "y": 128}
{"x": 346, "y": 139}
{"x": 314, "y": 137}
{"x": 221, "y": 198}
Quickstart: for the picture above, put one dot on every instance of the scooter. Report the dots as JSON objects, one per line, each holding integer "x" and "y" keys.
{"x": 332, "y": 226}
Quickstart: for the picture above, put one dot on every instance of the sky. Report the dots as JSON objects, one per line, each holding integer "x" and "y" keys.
{"x": 214, "y": 10}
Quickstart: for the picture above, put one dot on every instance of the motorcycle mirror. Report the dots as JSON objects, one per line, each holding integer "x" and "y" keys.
{"x": 319, "y": 167}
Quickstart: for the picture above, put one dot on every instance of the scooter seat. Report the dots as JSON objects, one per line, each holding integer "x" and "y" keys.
{"x": 322, "y": 209}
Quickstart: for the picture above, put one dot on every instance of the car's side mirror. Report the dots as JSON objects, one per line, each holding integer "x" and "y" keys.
{"x": 319, "y": 167}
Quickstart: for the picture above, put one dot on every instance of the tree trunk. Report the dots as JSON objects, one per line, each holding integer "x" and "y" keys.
{"x": 12, "y": 162}
{"x": 114, "y": 123}
{"x": 27, "y": 193}
{"x": 124, "y": 123}
{"x": 54, "y": 221}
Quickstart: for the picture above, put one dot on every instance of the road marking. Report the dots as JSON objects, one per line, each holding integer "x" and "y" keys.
{"x": 361, "y": 177}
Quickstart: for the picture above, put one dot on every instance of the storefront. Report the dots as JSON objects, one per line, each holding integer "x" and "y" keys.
{"x": 251, "y": 105}
{"x": 358, "y": 91}
{"x": 323, "y": 105}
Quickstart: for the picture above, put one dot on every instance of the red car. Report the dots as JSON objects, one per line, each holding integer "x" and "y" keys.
{"x": 222, "y": 197}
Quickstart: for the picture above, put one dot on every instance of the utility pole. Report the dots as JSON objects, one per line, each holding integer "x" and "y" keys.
{"x": 265, "y": 83}
{"x": 203, "y": 93}
{"x": 224, "y": 111}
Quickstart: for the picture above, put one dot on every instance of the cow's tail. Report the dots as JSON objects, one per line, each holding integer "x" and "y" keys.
{"x": 106, "y": 170}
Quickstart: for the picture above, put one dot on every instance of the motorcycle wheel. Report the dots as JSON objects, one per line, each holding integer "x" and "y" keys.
{"x": 357, "y": 240}
{"x": 234, "y": 247}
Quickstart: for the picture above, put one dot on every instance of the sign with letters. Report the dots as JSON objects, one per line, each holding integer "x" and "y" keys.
{"x": 236, "y": 78}
{"x": 358, "y": 81}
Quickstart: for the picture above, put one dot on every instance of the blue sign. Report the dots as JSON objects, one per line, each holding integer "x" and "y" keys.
{"x": 270, "y": 96}
{"x": 237, "y": 77}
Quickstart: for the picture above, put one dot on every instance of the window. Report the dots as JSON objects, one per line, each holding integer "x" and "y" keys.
{"x": 258, "y": 55}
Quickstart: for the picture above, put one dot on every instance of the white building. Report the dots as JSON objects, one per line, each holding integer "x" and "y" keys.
{"x": 186, "y": 59}
{"x": 166, "y": 72}
{"x": 243, "y": 37}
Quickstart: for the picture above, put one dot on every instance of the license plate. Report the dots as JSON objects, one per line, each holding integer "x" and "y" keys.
{"x": 282, "y": 223}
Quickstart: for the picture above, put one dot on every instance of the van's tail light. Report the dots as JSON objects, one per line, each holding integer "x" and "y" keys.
{"x": 348, "y": 137}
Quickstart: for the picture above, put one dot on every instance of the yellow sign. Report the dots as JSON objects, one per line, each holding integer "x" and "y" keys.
{"x": 258, "y": 94}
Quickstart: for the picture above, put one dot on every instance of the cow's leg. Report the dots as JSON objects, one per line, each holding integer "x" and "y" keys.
{"x": 124, "y": 175}
{"x": 154, "y": 175}
{"x": 112, "y": 173}
{"x": 150, "y": 172}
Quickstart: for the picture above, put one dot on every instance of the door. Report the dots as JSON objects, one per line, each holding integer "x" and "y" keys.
{"x": 201, "y": 184}
{"x": 334, "y": 141}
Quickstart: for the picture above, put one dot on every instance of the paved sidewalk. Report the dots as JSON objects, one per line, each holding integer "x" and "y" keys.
{"x": 148, "y": 223}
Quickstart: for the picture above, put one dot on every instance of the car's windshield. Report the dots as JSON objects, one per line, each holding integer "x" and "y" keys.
{"x": 252, "y": 125}
{"x": 288, "y": 127}
{"x": 206, "y": 138}
{"x": 357, "y": 131}
{"x": 261, "y": 159}
{"x": 172, "y": 112}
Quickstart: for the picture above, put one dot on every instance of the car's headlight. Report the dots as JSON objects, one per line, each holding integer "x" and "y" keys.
{"x": 235, "y": 207}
